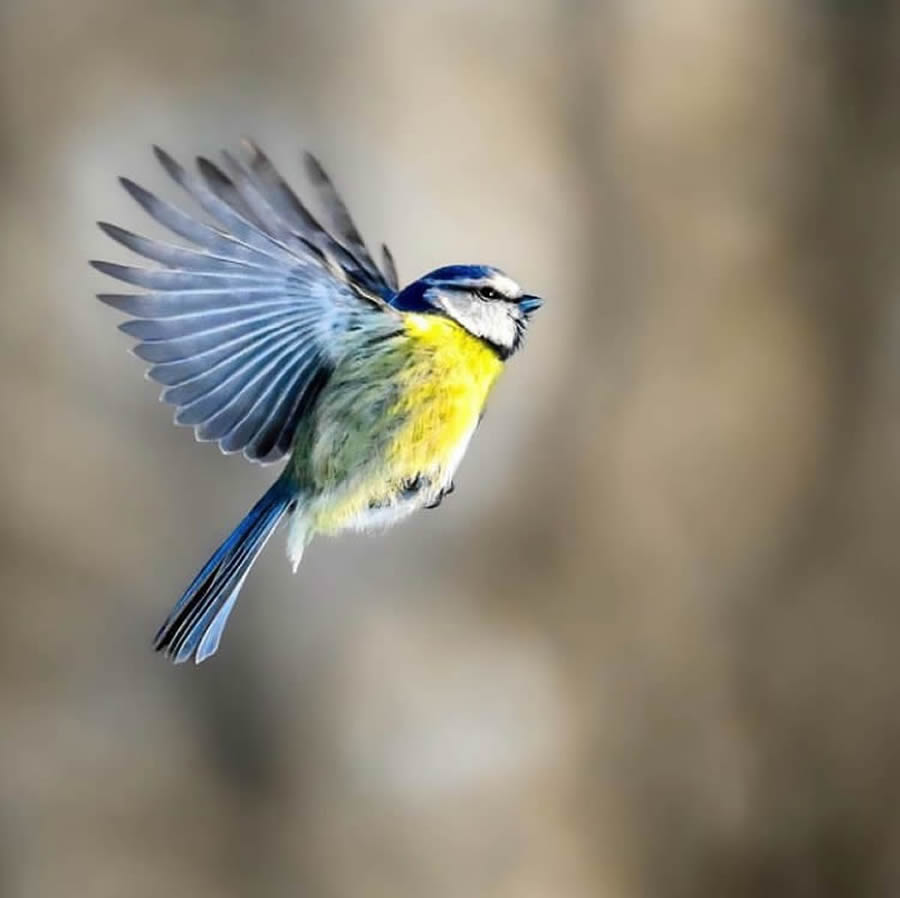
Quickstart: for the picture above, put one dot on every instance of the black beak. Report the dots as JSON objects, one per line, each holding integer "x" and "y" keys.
{"x": 529, "y": 303}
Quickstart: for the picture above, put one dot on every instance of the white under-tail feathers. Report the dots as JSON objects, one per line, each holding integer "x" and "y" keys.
{"x": 298, "y": 538}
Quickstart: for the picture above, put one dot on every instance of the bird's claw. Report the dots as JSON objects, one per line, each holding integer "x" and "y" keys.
{"x": 440, "y": 496}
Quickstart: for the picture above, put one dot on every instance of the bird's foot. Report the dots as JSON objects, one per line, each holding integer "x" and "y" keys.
{"x": 440, "y": 496}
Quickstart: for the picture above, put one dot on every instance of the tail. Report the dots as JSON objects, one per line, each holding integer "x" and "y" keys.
{"x": 194, "y": 626}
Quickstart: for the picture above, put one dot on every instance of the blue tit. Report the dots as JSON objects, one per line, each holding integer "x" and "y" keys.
{"x": 278, "y": 336}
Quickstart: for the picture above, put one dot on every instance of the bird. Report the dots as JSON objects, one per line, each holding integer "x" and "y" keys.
{"x": 274, "y": 333}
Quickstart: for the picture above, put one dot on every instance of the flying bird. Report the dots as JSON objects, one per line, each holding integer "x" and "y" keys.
{"x": 277, "y": 335}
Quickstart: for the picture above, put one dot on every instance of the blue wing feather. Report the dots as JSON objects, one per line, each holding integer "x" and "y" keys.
{"x": 233, "y": 366}
{"x": 266, "y": 416}
{"x": 192, "y": 302}
{"x": 347, "y": 248}
{"x": 168, "y": 279}
{"x": 172, "y": 256}
{"x": 181, "y": 371}
{"x": 243, "y": 329}
{"x": 234, "y": 222}
{"x": 197, "y": 232}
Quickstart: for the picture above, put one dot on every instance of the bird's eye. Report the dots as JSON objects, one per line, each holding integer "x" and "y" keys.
{"x": 489, "y": 293}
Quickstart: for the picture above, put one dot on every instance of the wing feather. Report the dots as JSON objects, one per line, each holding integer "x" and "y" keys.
{"x": 218, "y": 325}
{"x": 233, "y": 366}
{"x": 340, "y": 216}
{"x": 268, "y": 409}
{"x": 288, "y": 205}
{"x": 171, "y": 256}
{"x": 244, "y": 327}
{"x": 389, "y": 267}
{"x": 196, "y": 232}
{"x": 167, "y": 279}
{"x": 191, "y": 303}
{"x": 234, "y": 223}
{"x": 181, "y": 371}
{"x": 277, "y": 440}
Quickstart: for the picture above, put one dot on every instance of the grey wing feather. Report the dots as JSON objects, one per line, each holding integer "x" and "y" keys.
{"x": 221, "y": 185}
{"x": 286, "y": 202}
{"x": 244, "y": 328}
{"x": 343, "y": 223}
{"x": 179, "y": 257}
{"x": 389, "y": 266}
{"x": 231, "y": 220}
{"x": 340, "y": 215}
{"x": 190, "y": 229}
{"x": 346, "y": 247}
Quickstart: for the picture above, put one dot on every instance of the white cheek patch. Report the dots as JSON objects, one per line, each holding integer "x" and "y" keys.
{"x": 491, "y": 320}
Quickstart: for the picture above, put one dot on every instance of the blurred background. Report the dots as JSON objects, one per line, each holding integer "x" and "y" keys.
{"x": 648, "y": 648}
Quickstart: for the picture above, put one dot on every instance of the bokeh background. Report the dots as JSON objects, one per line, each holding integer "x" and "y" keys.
{"x": 649, "y": 647}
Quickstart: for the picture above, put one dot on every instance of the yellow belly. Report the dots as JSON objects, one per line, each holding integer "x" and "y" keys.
{"x": 443, "y": 393}
{"x": 439, "y": 379}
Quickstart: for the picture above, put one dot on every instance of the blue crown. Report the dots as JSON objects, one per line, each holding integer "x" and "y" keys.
{"x": 464, "y": 273}
{"x": 412, "y": 297}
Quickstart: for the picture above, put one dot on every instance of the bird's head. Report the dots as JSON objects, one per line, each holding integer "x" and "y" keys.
{"x": 486, "y": 302}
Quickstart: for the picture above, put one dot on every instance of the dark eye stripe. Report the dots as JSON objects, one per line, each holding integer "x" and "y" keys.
{"x": 485, "y": 291}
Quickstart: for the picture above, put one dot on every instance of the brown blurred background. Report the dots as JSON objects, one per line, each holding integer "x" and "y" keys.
{"x": 649, "y": 646}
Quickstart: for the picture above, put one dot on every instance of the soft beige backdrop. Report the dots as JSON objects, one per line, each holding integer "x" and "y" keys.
{"x": 649, "y": 647}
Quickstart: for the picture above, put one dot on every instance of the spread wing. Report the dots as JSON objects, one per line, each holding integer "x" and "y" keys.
{"x": 244, "y": 327}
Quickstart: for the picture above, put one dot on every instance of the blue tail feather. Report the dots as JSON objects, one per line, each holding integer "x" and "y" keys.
{"x": 194, "y": 626}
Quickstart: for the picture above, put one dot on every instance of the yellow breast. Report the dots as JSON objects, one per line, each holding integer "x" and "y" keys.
{"x": 388, "y": 418}
{"x": 444, "y": 388}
